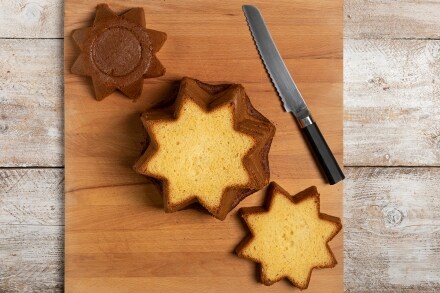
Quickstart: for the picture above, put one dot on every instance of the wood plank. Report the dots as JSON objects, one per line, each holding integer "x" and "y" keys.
{"x": 31, "y": 230}
{"x": 392, "y": 230}
{"x": 31, "y": 19}
{"x": 371, "y": 221}
{"x": 117, "y": 236}
{"x": 363, "y": 19}
{"x": 382, "y": 19}
{"x": 391, "y": 105}
{"x": 366, "y": 101}
{"x": 31, "y": 109}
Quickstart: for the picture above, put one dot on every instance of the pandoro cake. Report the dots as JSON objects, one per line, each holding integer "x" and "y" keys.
{"x": 289, "y": 236}
{"x": 118, "y": 52}
{"x": 210, "y": 146}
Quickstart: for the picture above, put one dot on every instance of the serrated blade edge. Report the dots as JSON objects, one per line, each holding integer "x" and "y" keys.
{"x": 274, "y": 64}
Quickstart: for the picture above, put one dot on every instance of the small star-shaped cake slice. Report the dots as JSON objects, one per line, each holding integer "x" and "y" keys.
{"x": 118, "y": 52}
{"x": 289, "y": 237}
{"x": 211, "y": 146}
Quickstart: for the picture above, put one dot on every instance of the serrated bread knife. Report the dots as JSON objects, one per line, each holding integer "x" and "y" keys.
{"x": 292, "y": 100}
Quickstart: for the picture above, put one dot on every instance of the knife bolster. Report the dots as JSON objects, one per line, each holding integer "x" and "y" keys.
{"x": 306, "y": 121}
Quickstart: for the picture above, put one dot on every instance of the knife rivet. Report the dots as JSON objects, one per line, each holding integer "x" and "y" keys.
{"x": 387, "y": 156}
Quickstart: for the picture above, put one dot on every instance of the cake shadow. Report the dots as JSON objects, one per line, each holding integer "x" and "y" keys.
{"x": 69, "y": 59}
{"x": 163, "y": 98}
{"x": 196, "y": 206}
{"x": 153, "y": 195}
{"x": 247, "y": 236}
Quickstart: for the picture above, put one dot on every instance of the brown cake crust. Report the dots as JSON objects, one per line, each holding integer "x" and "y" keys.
{"x": 118, "y": 52}
{"x": 246, "y": 120}
{"x": 273, "y": 189}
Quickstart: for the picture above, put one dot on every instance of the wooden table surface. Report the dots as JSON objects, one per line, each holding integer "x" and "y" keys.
{"x": 391, "y": 141}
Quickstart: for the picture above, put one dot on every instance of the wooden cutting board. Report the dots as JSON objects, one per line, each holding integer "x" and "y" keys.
{"x": 118, "y": 239}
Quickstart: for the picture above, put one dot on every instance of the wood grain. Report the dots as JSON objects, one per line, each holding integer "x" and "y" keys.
{"x": 382, "y": 19}
{"x": 31, "y": 19}
{"x": 31, "y": 109}
{"x": 392, "y": 230}
{"x": 391, "y": 106}
{"x": 378, "y": 19}
{"x": 391, "y": 94}
{"x": 118, "y": 239}
{"x": 31, "y": 230}
{"x": 371, "y": 220}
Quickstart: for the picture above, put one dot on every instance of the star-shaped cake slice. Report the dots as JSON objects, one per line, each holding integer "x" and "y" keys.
{"x": 289, "y": 237}
{"x": 118, "y": 52}
{"x": 210, "y": 147}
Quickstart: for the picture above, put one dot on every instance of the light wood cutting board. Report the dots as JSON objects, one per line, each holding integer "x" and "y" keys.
{"x": 118, "y": 238}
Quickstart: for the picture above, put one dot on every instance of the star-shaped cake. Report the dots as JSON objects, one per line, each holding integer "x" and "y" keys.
{"x": 289, "y": 237}
{"x": 210, "y": 146}
{"x": 118, "y": 52}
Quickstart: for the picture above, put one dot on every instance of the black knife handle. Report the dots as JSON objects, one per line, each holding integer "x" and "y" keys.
{"x": 321, "y": 151}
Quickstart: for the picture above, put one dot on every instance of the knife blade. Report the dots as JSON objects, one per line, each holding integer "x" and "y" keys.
{"x": 292, "y": 99}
